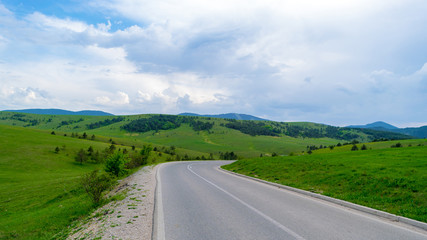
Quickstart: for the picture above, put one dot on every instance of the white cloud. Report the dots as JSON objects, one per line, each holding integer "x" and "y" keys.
{"x": 305, "y": 60}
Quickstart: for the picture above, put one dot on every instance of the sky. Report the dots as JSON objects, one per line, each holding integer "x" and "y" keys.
{"x": 333, "y": 62}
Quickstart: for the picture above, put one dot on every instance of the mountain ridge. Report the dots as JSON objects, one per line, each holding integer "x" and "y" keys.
{"x": 236, "y": 116}
{"x": 378, "y": 124}
{"x": 418, "y": 132}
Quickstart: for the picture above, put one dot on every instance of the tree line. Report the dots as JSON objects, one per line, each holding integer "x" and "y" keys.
{"x": 165, "y": 122}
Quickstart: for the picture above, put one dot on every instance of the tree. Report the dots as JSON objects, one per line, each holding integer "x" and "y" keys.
{"x": 81, "y": 156}
{"x": 57, "y": 150}
{"x": 144, "y": 154}
{"x": 96, "y": 157}
{"x": 115, "y": 164}
{"x": 90, "y": 150}
{"x": 93, "y": 137}
{"x": 363, "y": 147}
{"x": 354, "y": 148}
{"x": 53, "y": 133}
{"x": 94, "y": 185}
{"x": 112, "y": 148}
{"x": 84, "y": 135}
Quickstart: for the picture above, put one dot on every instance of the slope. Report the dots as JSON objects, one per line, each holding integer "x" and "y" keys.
{"x": 39, "y": 192}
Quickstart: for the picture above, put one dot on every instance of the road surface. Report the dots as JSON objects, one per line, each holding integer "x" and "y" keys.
{"x": 197, "y": 201}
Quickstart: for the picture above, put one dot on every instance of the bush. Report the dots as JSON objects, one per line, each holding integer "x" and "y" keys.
{"x": 94, "y": 185}
{"x": 397, "y": 145}
{"x": 81, "y": 156}
{"x": 354, "y": 148}
{"x": 364, "y": 147}
{"x": 115, "y": 163}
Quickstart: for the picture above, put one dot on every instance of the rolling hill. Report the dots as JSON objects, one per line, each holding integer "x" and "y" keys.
{"x": 418, "y": 132}
{"x": 236, "y": 116}
{"x": 375, "y": 125}
{"x": 196, "y": 136}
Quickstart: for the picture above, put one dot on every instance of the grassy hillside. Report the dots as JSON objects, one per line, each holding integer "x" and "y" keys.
{"x": 39, "y": 192}
{"x": 385, "y": 178}
{"x": 246, "y": 138}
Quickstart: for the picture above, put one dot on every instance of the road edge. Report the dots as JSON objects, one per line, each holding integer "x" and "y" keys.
{"x": 375, "y": 212}
{"x": 157, "y": 212}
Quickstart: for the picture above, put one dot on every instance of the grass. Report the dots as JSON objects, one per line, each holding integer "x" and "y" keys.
{"x": 389, "y": 179}
{"x": 39, "y": 191}
{"x": 187, "y": 141}
{"x": 40, "y": 196}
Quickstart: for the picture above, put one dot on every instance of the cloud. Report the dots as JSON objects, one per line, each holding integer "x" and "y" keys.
{"x": 23, "y": 96}
{"x": 329, "y": 61}
{"x": 119, "y": 99}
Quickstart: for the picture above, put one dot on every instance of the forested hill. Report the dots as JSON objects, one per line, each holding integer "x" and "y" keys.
{"x": 199, "y": 135}
{"x": 236, "y": 116}
{"x": 418, "y": 132}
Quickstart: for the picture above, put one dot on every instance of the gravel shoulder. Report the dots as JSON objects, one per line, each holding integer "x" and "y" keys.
{"x": 130, "y": 218}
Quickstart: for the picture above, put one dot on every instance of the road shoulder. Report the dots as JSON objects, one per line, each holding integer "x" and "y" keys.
{"x": 130, "y": 218}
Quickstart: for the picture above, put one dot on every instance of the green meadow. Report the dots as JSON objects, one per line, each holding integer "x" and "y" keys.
{"x": 40, "y": 193}
{"x": 389, "y": 179}
{"x": 194, "y": 143}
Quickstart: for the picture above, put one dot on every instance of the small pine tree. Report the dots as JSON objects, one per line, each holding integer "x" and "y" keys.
{"x": 53, "y": 133}
{"x": 354, "y": 148}
{"x": 363, "y": 147}
{"x": 90, "y": 151}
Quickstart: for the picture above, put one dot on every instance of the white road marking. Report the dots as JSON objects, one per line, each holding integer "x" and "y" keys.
{"x": 160, "y": 217}
{"x": 277, "y": 224}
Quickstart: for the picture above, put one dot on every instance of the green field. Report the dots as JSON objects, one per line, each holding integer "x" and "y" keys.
{"x": 389, "y": 179}
{"x": 40, "y": 194}
{"x": 194, "y": 143}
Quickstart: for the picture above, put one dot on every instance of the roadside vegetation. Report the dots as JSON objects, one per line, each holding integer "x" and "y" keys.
{"x": 48, "y": 180}
{"x": 57, "y": 169}
{"x": 384, "y": 177}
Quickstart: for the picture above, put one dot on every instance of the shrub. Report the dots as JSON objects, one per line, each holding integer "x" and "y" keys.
{"x": 354, "y": 148}
{"x": 115, "y": 164}
{"x": 397, "y": 145}
{"x": 81, "y": 156}
{"x": 94, "y": 185}
{"x": 364, "y": 147}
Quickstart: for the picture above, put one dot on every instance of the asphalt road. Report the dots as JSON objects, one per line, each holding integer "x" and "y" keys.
{"x": 197, "y": 201}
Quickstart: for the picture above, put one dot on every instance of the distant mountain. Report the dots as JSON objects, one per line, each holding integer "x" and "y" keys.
{"x": 61, "y": 112}
{"x": 420, "y": 132}
{"x": 375, "y": 125}
{"x": 236, "y": 116}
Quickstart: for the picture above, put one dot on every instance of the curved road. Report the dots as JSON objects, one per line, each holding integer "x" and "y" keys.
{"x": 197, "y": 201}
